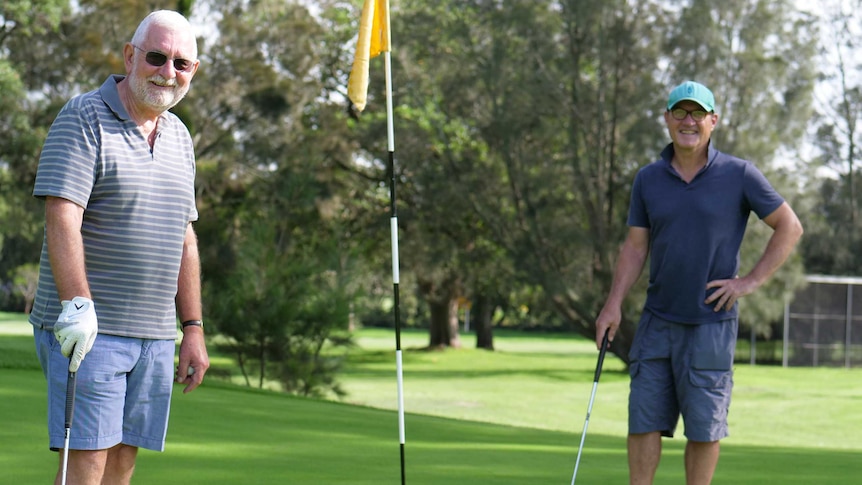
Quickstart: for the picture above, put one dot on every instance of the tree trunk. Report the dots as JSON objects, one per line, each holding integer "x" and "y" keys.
{"x": 482, "y": 312}
{"x": 444, "y": 324}
{"x": 454, "y": 335}
{"x": 439, "y": 328}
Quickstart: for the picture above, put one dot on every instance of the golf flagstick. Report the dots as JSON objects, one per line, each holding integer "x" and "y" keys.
{"x": 70, "y": 411}
{"x": 393, "y": 232}
{"x": 375, "y": 38}
{"x": 602, "y": 351}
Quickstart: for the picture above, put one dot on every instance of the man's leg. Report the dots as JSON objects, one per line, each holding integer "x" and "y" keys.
{"x": 644, "y": 455}
{"x": 120, "y": 465}
{"x": 85, "y": 467}
{"x": 705, "y": 392}
{"x": 700, "y": 461}
{"x": 113, "y": 466}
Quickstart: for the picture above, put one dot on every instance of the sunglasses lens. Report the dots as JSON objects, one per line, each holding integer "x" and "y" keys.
{"x": 182, "y": 64}
{"x": 679, "y": 113}
{"x": 156, "y": 59}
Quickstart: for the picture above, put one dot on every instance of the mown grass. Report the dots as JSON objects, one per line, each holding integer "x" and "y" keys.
{"x": 512, "y": 416}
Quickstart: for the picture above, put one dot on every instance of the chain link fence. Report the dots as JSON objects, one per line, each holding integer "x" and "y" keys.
{"x": 823, "y": 323}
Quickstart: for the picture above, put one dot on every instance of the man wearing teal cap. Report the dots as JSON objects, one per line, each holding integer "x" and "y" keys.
{"x": 695, "y": 92}
{"x": 688, "y": 214}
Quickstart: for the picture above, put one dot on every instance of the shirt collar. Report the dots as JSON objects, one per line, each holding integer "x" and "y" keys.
{"x": 711, "y": 155}
{"x": 111, "y": 96}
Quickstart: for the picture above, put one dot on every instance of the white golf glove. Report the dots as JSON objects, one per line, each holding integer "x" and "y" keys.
{"x": 76, "y": 329}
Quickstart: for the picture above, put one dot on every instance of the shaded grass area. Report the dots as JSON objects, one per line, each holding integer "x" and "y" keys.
{"x": 789, "y": 426}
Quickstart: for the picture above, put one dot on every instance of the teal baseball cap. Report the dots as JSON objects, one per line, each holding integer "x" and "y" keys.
{"x": 692, "y": 91}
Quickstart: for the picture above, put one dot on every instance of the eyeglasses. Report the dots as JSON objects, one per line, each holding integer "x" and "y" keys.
{"x": 680, "y": 114}
{"x": 158, "y": 59}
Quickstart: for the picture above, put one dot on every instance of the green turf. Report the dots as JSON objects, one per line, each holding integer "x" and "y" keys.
{"x": 789, "y": 426}
{"x": 545, "y": 381}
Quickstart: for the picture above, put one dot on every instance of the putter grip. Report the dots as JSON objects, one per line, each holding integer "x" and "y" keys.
{"x": 602, "y": 356}
{"x": 70, "y": 399}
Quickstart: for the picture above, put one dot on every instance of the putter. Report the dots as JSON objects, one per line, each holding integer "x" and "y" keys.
{"x": 70, "y": 411}
{"x": 592, "y": 398}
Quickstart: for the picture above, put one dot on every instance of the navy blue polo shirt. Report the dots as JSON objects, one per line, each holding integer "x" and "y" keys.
{"x": 696, "y": 229}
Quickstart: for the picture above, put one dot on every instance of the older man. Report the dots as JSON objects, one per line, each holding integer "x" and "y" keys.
{"x": 120, "y": 259}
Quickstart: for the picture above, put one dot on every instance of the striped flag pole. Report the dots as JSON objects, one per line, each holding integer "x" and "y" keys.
{"x": 374, "y": 38}
{"x": 393, "y": 225}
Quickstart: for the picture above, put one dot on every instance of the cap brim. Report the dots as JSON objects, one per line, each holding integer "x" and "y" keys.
{"x": 693, "y": 100}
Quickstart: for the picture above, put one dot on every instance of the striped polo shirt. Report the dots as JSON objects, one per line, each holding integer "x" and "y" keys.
{"x": 137, "y": 205}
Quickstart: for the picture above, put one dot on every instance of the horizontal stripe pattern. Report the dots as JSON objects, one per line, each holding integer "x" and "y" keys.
{"x": 137, "y": 203}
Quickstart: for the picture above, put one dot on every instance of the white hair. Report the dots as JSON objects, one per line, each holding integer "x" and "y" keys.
{"x": 165, "y": 18}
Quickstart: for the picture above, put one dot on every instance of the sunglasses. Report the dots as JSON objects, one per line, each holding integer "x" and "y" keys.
{"x": 157, "y": 59}
{"x": 680, "y": 114}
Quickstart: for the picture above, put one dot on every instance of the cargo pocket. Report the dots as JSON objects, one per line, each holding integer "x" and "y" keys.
{"x": 710, "y": 378}
{"x": 712, "y": 355}
{"x": 711, "y": 370}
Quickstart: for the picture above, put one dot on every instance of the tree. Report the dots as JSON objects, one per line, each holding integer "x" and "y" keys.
{"x": 49, "y": 52}
{"x": 520, "y": 126}
{"x": 834, "y": 232}
{"x": 441, "y": 159}
{"x": 279, "y": 311}
{"x": 279, "y": 254}
{"x": 21, "y": 131}
{"x": 562, "y": 90}
{"x": 564, "y": 99}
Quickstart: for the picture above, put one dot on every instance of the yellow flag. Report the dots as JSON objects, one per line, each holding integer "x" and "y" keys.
{"x": 373, "y": 39}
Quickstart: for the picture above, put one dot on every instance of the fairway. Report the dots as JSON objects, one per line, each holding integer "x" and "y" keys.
{"x": 789, "y": 426}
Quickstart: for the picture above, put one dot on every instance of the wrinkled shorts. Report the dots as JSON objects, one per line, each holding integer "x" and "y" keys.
{"x": 122, "y": 395}
{"x": 679, "y": 369}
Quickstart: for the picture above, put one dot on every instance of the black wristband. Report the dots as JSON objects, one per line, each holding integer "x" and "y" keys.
{"x": 192, "y": 323}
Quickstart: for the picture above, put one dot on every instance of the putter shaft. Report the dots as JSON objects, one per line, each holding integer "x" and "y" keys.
{"x": 598, "y": 374}
{"x": 70, "y": 412}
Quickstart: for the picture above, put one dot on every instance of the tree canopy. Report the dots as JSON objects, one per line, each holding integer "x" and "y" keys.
{"x": 519, "y": 127}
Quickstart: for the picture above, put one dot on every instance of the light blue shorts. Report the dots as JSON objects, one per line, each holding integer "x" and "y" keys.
{"x": 123, "y": 392}
{"x": 679, "y": 369}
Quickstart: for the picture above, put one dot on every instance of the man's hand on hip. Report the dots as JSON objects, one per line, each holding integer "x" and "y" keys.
{"x": 76, "y": 329}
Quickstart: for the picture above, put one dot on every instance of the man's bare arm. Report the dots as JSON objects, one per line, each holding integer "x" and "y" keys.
{"x": 633, "y": 255}
{"x": 786, "y": 233}
{"x": 63, "y": 220}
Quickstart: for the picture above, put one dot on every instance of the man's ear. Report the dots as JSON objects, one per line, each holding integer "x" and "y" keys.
{"x": 128, "y": 54}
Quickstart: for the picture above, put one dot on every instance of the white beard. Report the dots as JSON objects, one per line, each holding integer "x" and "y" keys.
{"x": 155, "y": 97}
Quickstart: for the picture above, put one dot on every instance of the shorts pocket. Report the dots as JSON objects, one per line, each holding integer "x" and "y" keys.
{"x": 709, "y": 378}
{"x": 633, "y": 369}
{"x": 712, "y": 355}
{"x": 713, "y": 346}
